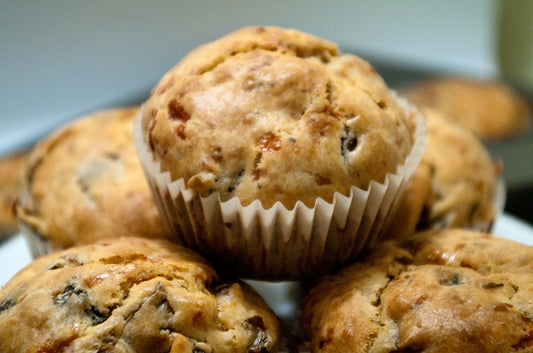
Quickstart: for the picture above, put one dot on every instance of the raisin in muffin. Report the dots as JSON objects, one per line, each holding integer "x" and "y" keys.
{"x": 455, "y": 185}
{"x": 12, "y": 170}
{"x": 131, "y": 295}
{"x": 445, "y": 291}
{"x": 276, "y": 120}
{"x": 492, "y": 110}
{"x": 84, "y": 182}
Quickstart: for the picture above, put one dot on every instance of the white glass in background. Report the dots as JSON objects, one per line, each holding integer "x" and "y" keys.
{"x": 515, "y": 43}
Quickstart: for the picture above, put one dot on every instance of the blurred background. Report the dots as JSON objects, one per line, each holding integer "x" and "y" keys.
{"x": 63, "y": 59}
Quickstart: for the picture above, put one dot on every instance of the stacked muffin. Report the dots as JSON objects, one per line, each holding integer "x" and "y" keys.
{"x": 443, "y": 291}
{"x": 131, "y": 295}
{"x": 270, "y": 155}
{"x": 84, "y": 182}
{"x": 276, "y": 155}
{"x": 456, "y": 184}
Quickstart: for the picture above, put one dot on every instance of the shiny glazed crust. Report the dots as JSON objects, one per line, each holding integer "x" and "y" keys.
{"x": 85, "y": 182}
{"x": 275, "y": 115}
{"x": 445, "y": 291}
{"x": 131, "y": 295}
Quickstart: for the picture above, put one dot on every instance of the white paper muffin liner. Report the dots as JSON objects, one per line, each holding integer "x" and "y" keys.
{"x": 38, "y": 246}
{"x": 277, "y": 243}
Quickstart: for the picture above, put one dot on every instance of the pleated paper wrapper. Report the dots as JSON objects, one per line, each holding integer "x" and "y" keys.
{"x": 277, "y": 243}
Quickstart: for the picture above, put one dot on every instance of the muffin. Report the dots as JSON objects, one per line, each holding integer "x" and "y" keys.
{"x": 131, "y": 295}
{"x": 12, "y": 169}
{"x": 84, "y": 182}
{"x": 270, "y": 151}
{"x": 446, "y": 291}
{"x": 492, "y": 110}
{"x": 456, "y": 184}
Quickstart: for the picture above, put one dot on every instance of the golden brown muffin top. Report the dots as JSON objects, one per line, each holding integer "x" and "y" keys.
{"x": 131, "y": 295}
{"x": 492, "y": 110}
{"x": 445, "y": 291}
{"x": 455, "y": 184}
{"x": 276, "y": 115}
{"x": 85, "y": 182}
{"x": 12, "y": 171}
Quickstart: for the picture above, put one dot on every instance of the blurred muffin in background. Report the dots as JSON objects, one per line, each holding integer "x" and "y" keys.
{"x": 12, "y": 170}
{"x": 454, "y": 186}
{"x": 131, "y": 295}
{"x": 84, "y": 182}
{"x": 492, "y": 110}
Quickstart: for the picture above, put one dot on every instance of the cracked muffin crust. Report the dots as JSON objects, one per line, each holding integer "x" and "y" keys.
{"x": 444, "y": 291}
{"x": 84, "y": 182}
{"x": 12, "y": 169}
{"x": 273, "y": 115}
{"x": 131, "y": 295}
{"x": 490, "y": 109}
{"x": 454, "y": 186}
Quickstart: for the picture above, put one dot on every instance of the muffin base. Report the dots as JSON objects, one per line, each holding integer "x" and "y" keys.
{"x": 277, "y": 243}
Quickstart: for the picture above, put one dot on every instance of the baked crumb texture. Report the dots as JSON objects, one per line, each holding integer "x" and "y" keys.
{"x": 445, "y": 291}
{"x": 131, "y": 295}
{"x": 271, "y": 114}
